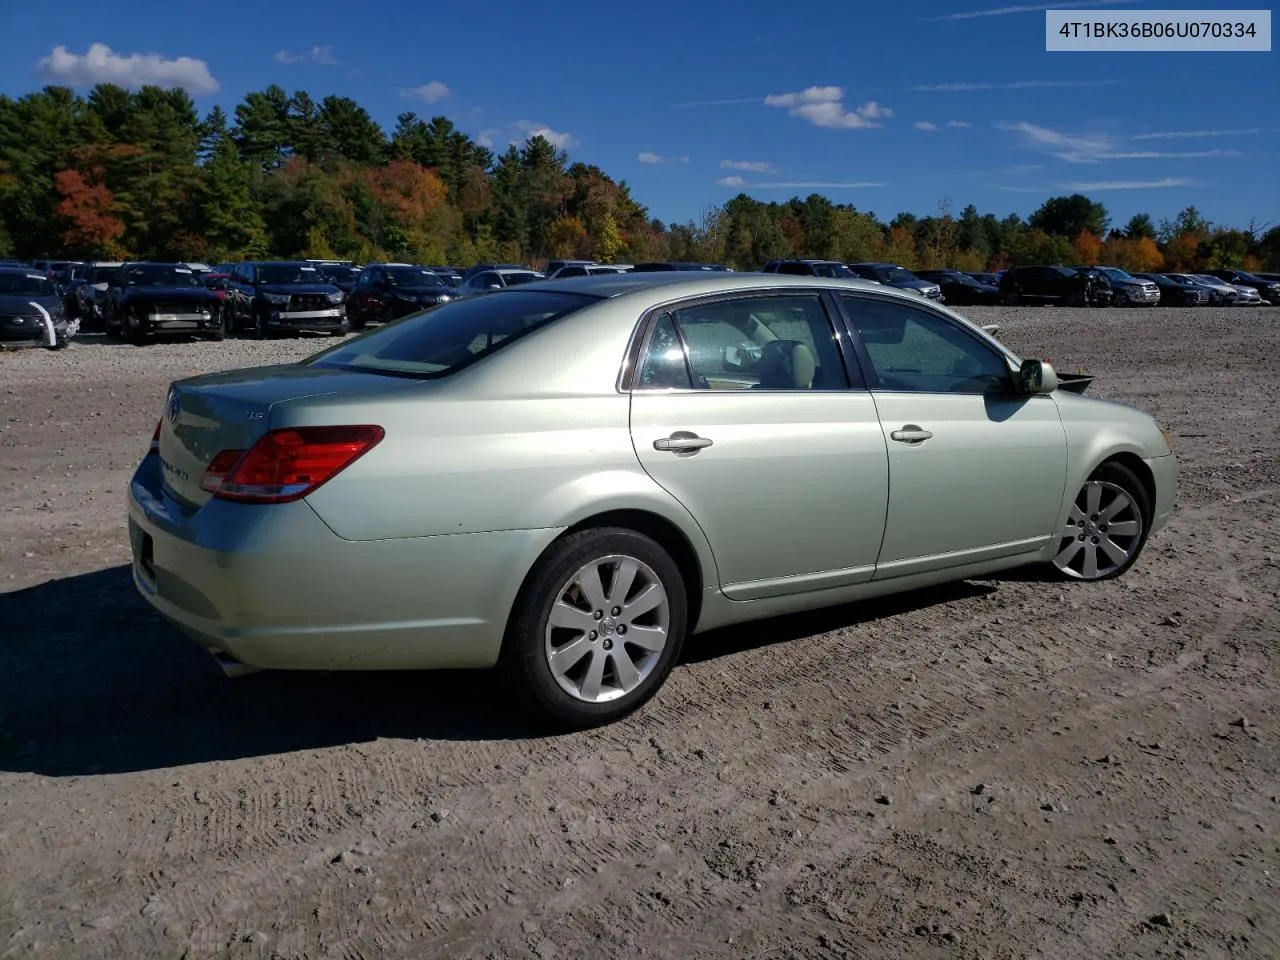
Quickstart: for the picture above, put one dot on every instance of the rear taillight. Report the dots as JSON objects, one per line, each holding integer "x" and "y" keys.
{"x": 287, "y": 464}
{"x": 155, "y": 439}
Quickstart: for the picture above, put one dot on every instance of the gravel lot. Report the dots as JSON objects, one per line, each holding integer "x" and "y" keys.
{"x": 1001, "y": 768}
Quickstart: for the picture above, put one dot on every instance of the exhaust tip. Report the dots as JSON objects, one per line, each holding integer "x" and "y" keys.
{"x": 232, "y": 667}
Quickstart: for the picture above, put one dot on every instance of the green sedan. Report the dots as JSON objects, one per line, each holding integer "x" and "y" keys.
{"x": 567, "y": 479}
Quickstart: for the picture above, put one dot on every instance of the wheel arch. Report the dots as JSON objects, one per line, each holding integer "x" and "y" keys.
{"x": 1135, "y": 465}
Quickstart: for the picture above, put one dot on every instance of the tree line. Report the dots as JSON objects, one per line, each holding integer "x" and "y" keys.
{"x": 142, "y": 174}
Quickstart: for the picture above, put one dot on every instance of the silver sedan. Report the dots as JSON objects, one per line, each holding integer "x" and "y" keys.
{"x": 568, "y": 478}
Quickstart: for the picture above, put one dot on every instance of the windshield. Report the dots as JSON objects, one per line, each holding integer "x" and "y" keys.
{"x": 896, "y": 275}
{"x": 103, "y": 274}
{"x": 1248, "y": 277}
{"x": 833, "y": 270}
{"x": 514, "y": 278}
{"x": 160, "y": 275}
{"x": 412, "y": 277}
{"x": 450, "y": 337}
{"x": 25, "y": 285}
{"x": 1114, "y": 273}
{"x": 450, "y": 279}
{"x": 339, "y": 273}
{"x": 284, "y": 273}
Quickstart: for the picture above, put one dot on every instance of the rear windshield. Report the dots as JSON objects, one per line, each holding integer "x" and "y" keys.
{"x": 517, "y": 278}
{"x": 452, "y": 336}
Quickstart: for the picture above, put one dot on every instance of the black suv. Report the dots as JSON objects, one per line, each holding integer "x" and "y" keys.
{"x": 810, "y": 268}
{"x": 388, "y": 291}
{"x": 1064, "y": 285}
{"x": 266, "y": 297}
{"x": 960, "y": 289}
{"x": 1268, "y": 290}
{"x": 146, "y": 298}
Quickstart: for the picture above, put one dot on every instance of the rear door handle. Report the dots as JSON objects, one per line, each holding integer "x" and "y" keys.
{"x": 911, "y": 434}
{"x": 682, "y": 443}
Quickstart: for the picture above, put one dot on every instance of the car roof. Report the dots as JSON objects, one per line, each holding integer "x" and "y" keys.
{"x": 506, "y": 270}
{"x": 679, "y": 283}
{"x": 10, "y": 268}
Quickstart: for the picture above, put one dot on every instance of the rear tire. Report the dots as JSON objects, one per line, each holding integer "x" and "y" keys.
{"x": 621, "y": 612}
{"x": 1010, "y": 299}
{"x": 1107, "y": 527}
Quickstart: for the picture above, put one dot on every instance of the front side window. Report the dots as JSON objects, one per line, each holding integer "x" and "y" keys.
{"x": 452, "y": 336}
{"x": 761, "y": 343}
{"x": 916, "y": 350}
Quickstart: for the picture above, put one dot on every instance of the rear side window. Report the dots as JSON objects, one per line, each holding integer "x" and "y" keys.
{"x": 449, "y": 337}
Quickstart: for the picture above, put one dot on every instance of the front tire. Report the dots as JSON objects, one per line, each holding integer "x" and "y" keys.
{"x": 133, "y": 332}
{"x": 1010, "y": 299}
{"x": 1107, "y": 526}
{"x": 221, "y": 324}
{"x": 597, "y": 627}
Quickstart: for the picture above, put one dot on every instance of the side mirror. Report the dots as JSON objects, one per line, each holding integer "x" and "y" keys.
{"x": 1037, "y": 376}
{"x": 495, "y": 286}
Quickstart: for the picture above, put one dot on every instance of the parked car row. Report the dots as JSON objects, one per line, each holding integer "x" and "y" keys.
{"x": 1101, "y": 285}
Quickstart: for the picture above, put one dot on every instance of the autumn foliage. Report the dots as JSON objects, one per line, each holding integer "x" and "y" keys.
{"x": 86, "y": 207}
{"x": 143, "y": 174}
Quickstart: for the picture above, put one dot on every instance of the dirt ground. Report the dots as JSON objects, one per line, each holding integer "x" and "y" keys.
{"x": 1003, "y": 768}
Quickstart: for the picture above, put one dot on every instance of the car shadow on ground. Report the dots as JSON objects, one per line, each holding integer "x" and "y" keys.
{"x": 92, "y": 681}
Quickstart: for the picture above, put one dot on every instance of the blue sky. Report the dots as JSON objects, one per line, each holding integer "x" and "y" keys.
{"x": 889, "y": 107}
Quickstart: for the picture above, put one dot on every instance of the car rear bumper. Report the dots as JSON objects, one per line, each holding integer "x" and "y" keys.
{"x": 1164, "y": 470}
{"x": 273, "y": 587}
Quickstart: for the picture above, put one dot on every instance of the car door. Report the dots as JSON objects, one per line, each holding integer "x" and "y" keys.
{"x": 746, "y": 410}
{"x": 976, "y": 471}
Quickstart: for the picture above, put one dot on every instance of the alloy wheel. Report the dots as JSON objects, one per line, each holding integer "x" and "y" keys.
{"x": 1102, "y": 534}
{"x": 607, "y": 628}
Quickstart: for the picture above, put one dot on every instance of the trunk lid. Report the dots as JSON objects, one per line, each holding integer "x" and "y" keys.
{"x": 206, "y": 415}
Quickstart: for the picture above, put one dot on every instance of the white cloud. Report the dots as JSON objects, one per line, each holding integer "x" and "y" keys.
{"x": 525, "y": 130}
{"x": 734, "y": 181}
{"x": 650, "y": 157}
{"x": 824, "y": 107}
{"x": 1197, "y": 134}
{"x": 1069, "y": 147}
{"x": 1128, "y": 184}
{"x": 1094, "y": 148}
{"x": 820, "y": 184}
{"x": 719, "y": 103}
{"x": 102, "y": 65}
{"x": 1034, "y": 8}
{"x": 1013, "y": 85}
{"x": 749, "y": 165}
{"x": 958, "y": 124}
{"x": 485, "y": 137}
{"x": 428, "y": 92}
{"x": 925, "y": 125}
{"x": 321, "y": 55}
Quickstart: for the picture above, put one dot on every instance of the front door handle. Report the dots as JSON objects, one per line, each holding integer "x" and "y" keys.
{"x": 682, "y": 443}
{"x": 911, "y": 434}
